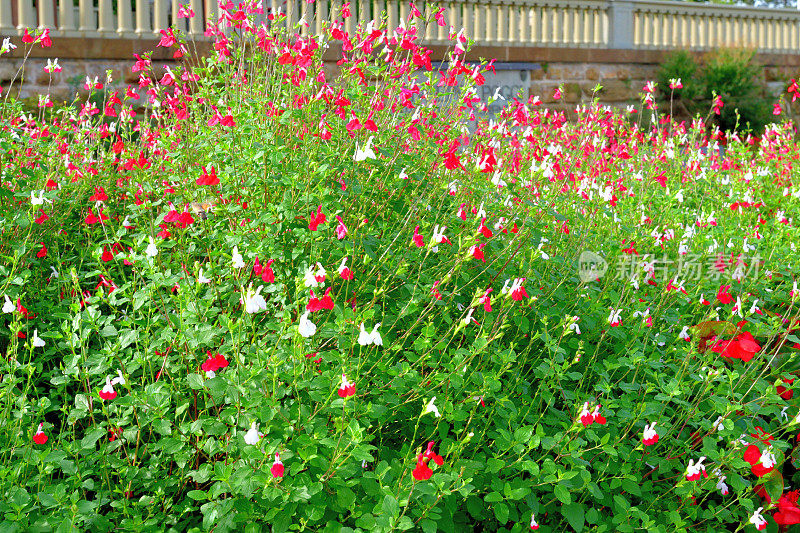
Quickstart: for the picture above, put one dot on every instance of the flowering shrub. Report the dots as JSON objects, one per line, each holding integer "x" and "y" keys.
{"x": 351, "y": 303}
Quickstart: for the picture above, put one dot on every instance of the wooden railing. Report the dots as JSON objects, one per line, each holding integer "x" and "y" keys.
{"x": 615, "y": 24}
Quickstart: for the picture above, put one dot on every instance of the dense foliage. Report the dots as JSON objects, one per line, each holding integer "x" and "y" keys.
{"x": 279, "y": 296}
{"x": 730, "y": 73}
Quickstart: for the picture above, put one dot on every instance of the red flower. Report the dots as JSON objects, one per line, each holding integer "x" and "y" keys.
{"x": 347, "y": 388}
{"x": 417, "y": 240}
{"x": 213, "y": 363}
{"x": 42, "y": 252}
{"x": 317, "y": 219}
{"x": 743, "y": 347}
{"x": 486, "y": 232}
{"x": 422, "y": 471}
{"x": 208, "y": 177}
{"x": 761, "y": 463}
{"x": 41, "y": 438}
{"x": 785, "y": 393}
{"x": 108, "y": 392}
{"x": 723, "y": 295}
{"x": 788, "y": 511}
{"x": 277, "y": 469}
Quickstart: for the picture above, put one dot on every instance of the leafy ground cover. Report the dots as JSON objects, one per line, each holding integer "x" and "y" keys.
{"x": 275, "y": 298}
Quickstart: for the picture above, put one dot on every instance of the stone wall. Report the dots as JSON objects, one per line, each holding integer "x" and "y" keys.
{"x": 621, "y": 73}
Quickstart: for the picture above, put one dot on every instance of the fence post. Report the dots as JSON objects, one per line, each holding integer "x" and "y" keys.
{"x": 620, "y": 18}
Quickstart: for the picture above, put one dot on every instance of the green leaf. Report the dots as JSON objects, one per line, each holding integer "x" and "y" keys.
{"x": 574, "y": 513}
{"x": 390, "y": 506}
{"x": 501, "y": 512}
{"x": 91, "y": 438}
{"x": 562, "y": 494}
{"x": 197, "y": 495}
{"x": 493, "y": 497}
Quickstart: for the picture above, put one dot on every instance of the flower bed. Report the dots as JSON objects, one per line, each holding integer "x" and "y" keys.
{"x": 276, "y": 298}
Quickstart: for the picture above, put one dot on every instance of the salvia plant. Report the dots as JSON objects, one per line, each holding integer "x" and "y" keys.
{"x": 258, "y": 292}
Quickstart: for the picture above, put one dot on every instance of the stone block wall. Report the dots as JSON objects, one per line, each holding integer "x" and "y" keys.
{"x": 621, "y": 73}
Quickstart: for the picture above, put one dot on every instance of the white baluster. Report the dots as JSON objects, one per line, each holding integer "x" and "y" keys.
{"x": 512, "y": 13}
{"x": 6, "y": 23}
{"x": 176, "y": 22}
{"x": 143, "y": 18}
{"x": 196, "y": 27}
{"x": 502, "y": 23}
{"x": 47, "y": 14}
{"x": 87, "y": 19}
{"x": 160, "y": 16}
{"x": 124, "y": 18}
{"x": 391, "y": 15}
{"x": 526, "y": 18}
{"x": 106, "y": 16}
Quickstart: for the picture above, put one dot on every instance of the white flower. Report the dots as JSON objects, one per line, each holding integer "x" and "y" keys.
{"x": 253, "y": 301}
{"x": 252, "y": 435}
{"x": 649, "y": 431}
{"x": 365, "y": 153}
{"x": 151, "y": 250}
{"x": 758, "y": 520}
{"x": 313, "y": 278}
{"x": 365, "y": 339}
{"x": 684, "y": 334}
{"x": 8, "y": 307}
{"x": 305, "y": 326}
{"x": 238, "y": 261}
{"x": 468, "y": 319}
{"x": 376, "y": 338}
{"x": 56, "y": 275}
{"x": 37, "y": 341}
{"x": 120, "y": 379}
{"x": 39, "y": 200}
{"x": 767, "y": 458}
{"x": 7, "y": 46}
{"x": 201, "y": 277}
{"x": 430, "y": 408}
{"x": 722, "y": 487}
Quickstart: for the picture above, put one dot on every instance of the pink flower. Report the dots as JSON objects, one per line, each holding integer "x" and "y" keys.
{"x": 39, "y": 437}
{"x": 649, "y": 437}
{"x": 422, "y": 471}
{"x": 695, "y": 470}
{"x": 483, "y": 230}
{"x": 723, "y": 295}
{"x": 518, "y": 292}
{"x": 267, "y": 274}
{"x": 208, "y": 177}
{"x": 213, "y": 363}
{"x": 317, "y": 219}
{"x": 347, "y": 388}
{"x": 486, "y": 300}
{"x": 585, "y": 416}
{"x": 718, "y": 105}
{"x": 341, "y": 229}
{"x": 277, "y": 469}
{"x": 108, "y": 392}
{"x": 344, "y": 271}
{"x": 476, "y": 251}
{"x": 417, "y": 239}
{"x": 313, "y": 303}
